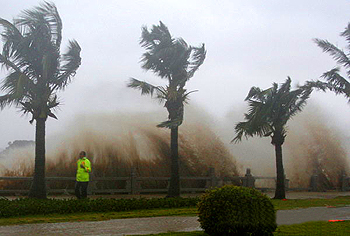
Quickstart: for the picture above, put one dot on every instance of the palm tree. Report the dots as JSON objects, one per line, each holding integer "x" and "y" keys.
{"x": 174, "y": 60}
{"x": 334, "y": 81}
{"x": 36, "y": 71}
{"x": 268, "y": 113}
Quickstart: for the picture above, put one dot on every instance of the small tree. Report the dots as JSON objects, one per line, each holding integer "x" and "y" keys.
{"x": 268, "y": 113}
{"x": 31, "y": 54}
{"x": 174, "y": 60}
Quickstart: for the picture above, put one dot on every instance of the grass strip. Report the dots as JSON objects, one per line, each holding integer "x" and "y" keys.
{"x": 319, "y": 228}
{"x": 306, "y": 203}
{"x": 54, "y": 218}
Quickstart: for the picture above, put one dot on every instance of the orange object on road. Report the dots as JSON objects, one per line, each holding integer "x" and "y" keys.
{"x": 336, "y": 220}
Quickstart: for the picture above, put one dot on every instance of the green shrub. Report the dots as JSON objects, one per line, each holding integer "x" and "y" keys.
{"x": 27, "y": 206}
{"x": 233, "y": 210}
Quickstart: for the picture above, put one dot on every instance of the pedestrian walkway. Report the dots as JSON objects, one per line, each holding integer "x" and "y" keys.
{"x": 154, "y": 225}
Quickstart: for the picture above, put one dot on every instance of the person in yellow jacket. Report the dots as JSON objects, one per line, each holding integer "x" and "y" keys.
{"x": 82, "y": 178}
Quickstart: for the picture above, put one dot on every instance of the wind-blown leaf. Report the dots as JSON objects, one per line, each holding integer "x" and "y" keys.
{"x": 335, "y": 82}
{"x": 145, "y": 87}
{"x": 72, "y": 61}
{"x": 335, "y": 52}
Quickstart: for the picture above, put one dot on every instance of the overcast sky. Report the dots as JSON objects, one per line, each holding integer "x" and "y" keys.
{"x": 249, "y": 43}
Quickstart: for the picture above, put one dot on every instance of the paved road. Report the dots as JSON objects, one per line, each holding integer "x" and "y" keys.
{"x": 155, "y": 225}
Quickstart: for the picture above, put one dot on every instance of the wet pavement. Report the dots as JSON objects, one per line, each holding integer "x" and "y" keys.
{"x": 154, "y": 225}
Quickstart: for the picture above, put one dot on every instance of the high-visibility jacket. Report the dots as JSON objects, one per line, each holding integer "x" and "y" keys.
{"x": 83, "y": 173}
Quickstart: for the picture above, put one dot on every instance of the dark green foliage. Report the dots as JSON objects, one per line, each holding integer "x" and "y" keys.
{"x": 29, "y": 206}
{"x": 268, "y": 113}
{"x": 233, "y": 210}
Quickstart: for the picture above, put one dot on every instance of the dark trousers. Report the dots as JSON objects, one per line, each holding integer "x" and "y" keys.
{"x": 81, "y": 189}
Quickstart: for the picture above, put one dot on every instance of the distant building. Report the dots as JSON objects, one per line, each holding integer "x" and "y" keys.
{"x": 17, "y": 144}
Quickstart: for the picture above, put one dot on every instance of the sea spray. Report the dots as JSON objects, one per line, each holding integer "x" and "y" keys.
{"x": 116, "y": 142}
{"x": 316, "y": 148}
{"x": 312, "y": 146}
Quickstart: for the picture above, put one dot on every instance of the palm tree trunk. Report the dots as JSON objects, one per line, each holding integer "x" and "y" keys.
{"x": 38, "y": 188}
{"x": 280, "y": 192}
{"x": 174, "y": 186}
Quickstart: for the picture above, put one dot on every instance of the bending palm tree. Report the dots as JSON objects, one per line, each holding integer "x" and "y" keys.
{"x": 173, "y": 60}
{"x": 268, "y": 114}
{"x": 334, "y": 81}
{"x": 31, "y": 54}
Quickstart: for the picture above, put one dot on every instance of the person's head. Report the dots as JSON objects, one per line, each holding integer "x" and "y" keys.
{"x": 82, "y": 154}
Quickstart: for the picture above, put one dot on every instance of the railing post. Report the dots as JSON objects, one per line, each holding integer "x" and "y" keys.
{"x": 344, "y": 183}
{"x": 92, "y": 184}
{"x": 47, "y": 186}
{"x": 128, "y": 185}
{"x": 248, "y": 180}
{"x": 212, "y": 182}
{"x": 135, "y": 188}
{"x": 313, "y": 183}
{"x": 286, "y": 183}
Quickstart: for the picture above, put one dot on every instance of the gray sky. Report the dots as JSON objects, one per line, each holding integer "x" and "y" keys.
{"x": 249, "y": 43}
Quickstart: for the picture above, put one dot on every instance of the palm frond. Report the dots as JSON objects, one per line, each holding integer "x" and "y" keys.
{"x": 298, "y": 101}
{"x": 167, "y": 57}
{"x": 249, "y": 129}
{"x": 185, "y": 96}
{"x": 7, "y": 100}
{"x": 337, "y": 83}
{"x": 170, "y": 124}
{"x": 143, "y": 86}
{"x": 198, "y": 57}
{"x": 46, "y": 17}
{"x": 27, "y": 107}
{"x": 8, "y": 64}
{"x": 72, "y": 61}
{"x": 157, "y": 35}
{"x": 258, "y": 94}
{"x": 10, "y": 32}
{"x": 285, "y": 87}
{"x": 319, "y": 85}
{"x": 346, "y": 34}
{"x": 338, "y": 54}
{"x": 14, "y": 84}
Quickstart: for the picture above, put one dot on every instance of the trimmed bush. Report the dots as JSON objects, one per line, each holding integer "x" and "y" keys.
{"x": 233, "y": 210}
{"x": 28, "y": 206}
